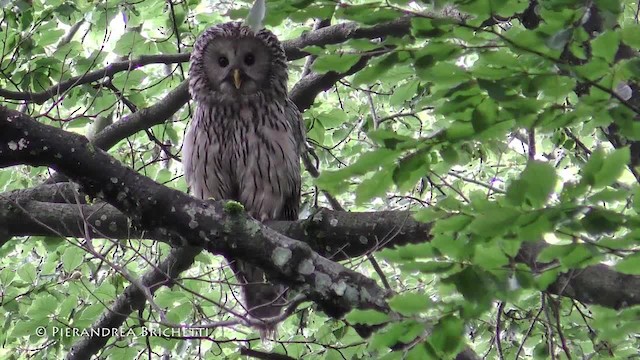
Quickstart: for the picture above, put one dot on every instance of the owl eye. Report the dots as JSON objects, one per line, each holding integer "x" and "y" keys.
{"x": 223, "y": 61}
{"x": 249, "y": 59}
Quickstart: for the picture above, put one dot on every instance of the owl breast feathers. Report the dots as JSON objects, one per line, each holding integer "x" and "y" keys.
{"x": 245, "y": 139}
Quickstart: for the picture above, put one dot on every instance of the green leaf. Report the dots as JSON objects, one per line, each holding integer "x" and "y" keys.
{"x": 603, "y": 170}
{"x": 68, "y": 307}
{"x": 459, "y": 131}
{"x": 429, "y": 28}
{"x": 443, "y": 74}
{"x": 42, "y": 306}
{"x": 494, "y": 221}
{"x": 430, "y": 267}
{"x": 475, "y": 284}
{"x": 410, "y": 169}
{"x": 447, "y": 335}
{"x": 6, "y": 276}
{"x": 629, "y": 265}
{"x": 66, "y": 9}
{"x": 410, "y": 303}
{"x": 167, "y": 298}
{"x": 606, "y": 45}
{"x": 631, "y": 35}
{"x": 553, "y": 252}
{"x": 391, "y": 140}
{"x": 580, "y": 256}
{"x": 368, "y": 317}
{"x": 128, "y": 41}
{"x": 105, "y": 291}
{"x": 335, "y": 62}
{"x": 452, "y": 224}
{"x": 129, "y": 79}
{"x": 72, "y": 257}
{"x": 554, "y": 87}
{"x": 571, "y": 256}
{"x": 49, "y": 37}
{"x": 26, "y": 328}
{"x": 332, "y": 118}
{"x": 375, "y": 186}
{"x": 368, "y": 14}
{"x": 612, "y": 6}
{"x": 27, "y": 272}
{"x": 546, "y": 278}
{"x": 484, "y": 115}
{"x": 316, "y": 132}
{"x": 490, "y": 257}
{"x": 179, "y": 313}
{"x": 560, "y": 39}
{"x": 597, "y": 221}
{"x": 535, "y": 185}
{"x": 404, "y": 93}
{"x": 608, "y": 195}
{"x": 367, "y": 162}
{"x": 408, "y": 253}
{"x": 376, "y": 69}
{"x": 398, "y": 333}
{"x": 450, "y": 155}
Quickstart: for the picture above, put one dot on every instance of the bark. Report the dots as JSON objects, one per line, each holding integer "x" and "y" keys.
{"x": 337, "y": 235}
{"x": 223, "y": 228}
{"x": 50, "y": 210}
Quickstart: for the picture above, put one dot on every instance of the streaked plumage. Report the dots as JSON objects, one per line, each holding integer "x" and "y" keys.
{"x": 244, "y": 142}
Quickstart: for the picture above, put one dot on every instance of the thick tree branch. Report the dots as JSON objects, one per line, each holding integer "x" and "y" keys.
{"x": 219, "y": 227}
{"x": 597, "y": 284}
{"x": 333, "y": 234}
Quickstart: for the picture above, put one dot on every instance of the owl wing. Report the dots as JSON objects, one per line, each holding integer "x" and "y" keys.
{"x": 293, "y": 117}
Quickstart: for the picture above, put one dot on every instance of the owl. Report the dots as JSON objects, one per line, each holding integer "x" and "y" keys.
{"x": 245, "y": 139}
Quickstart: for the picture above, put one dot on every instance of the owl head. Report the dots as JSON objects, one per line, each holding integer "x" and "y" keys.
{"x": 231, "y": 63}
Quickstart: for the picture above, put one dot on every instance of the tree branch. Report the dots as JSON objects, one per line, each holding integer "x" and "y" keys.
{"x": 219, "y": 227}
{"x": 340, "y": 33}
{"x": 333, "y": 234}
{"x": 110, "y": 70}
{"x": 145, "y": 118}
{"x": 303, "y": 95}
{"x": 293, "y": 50}
{"x": 133, "y": 299}
{"x": 305, "y": 91}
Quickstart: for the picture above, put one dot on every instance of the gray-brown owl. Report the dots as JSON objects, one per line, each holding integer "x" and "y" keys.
{"x": 245, "y": 139}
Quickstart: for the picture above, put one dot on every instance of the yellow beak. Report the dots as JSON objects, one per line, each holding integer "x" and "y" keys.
{"x": 236, "y": 78}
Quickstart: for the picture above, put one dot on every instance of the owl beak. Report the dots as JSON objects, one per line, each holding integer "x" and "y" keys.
{"x": 236, "y": 78}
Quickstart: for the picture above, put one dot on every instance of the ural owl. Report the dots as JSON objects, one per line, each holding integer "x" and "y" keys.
{"x": 245, "y": 139}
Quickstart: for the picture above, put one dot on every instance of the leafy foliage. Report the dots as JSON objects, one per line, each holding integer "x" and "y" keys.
{"x": 501, "y": 133}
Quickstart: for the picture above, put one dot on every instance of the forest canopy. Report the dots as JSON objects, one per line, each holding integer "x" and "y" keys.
{"x": 471, "y": 190}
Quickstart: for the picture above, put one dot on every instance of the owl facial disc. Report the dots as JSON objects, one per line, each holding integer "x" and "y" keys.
{"x": 231, "y": 62}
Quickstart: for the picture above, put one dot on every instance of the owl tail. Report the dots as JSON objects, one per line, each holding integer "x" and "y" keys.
{"x": 262, "y": 299}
